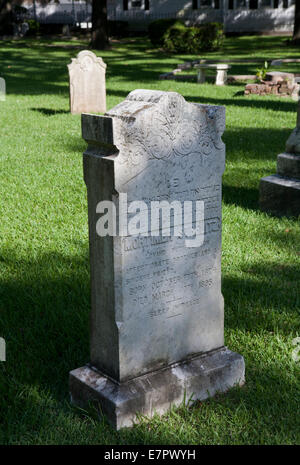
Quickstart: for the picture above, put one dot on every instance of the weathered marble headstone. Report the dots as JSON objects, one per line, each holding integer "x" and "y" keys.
{"x": 277, "y": 76}
{"x": 157, "y": 334}
{"x": 87, "y": 83}
{"x": 280, "y": 193}
{"x": 2, "y": 89}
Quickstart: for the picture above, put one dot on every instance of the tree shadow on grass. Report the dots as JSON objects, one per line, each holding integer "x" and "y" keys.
{"x": 38, "y": 67}
{"x": 246, "y": 144}
{"x": 247, "y": 151}
{"x": 28, "y": 73}
{"x": 50, "y": 111}
{"x": 74, "y": 144}
{"x": 266, "y": 299}
{"x": 43, "y": 70}
{"x": 244, "y": 197}
{"x": 240, "y": 93}
{"x": 45, "y": 305}
{"x": 45, "y": 315}
{"x": 118, "y": 92}
{"x": 253, "y": 102}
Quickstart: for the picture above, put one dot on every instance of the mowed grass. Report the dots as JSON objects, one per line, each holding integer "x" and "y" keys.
{"x": 44, "y": 266}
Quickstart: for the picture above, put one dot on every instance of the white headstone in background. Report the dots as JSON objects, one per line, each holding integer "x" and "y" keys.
{"x": 2, "y": 89}
{"x": 87, "y": 83}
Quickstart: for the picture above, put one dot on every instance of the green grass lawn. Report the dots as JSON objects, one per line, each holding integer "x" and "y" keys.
{"x": 44, "y": 267}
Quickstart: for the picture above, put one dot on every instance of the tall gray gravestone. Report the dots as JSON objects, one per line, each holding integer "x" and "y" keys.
{"x": 157, "y": 319}
{"x": 87, "y": 83}
{"x": 279, "y": 193}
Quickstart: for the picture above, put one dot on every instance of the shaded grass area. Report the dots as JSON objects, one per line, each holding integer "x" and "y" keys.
{"x": 44, "y": 268}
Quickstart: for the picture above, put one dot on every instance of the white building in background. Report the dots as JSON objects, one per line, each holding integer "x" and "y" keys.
{"x": 64, "y": 12}
{"x": 240, "y": 16}
{"x": 269, "y": 16}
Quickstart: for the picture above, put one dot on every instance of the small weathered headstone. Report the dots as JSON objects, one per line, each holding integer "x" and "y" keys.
{"x": 87, "y": 83}
{"x": 278, "y": 76}
{"x": 157, "y": 319}
{"x": 280, "y": 193}
{"x": 2, "y": 89}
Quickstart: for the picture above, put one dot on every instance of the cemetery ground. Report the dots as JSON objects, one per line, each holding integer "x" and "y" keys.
{"x": 44, "y": 272}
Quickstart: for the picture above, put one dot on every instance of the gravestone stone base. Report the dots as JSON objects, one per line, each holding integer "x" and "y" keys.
{"x": 194, "y": 379}
{"x": 288, "y": 165}
{"x": 280, "y": 195}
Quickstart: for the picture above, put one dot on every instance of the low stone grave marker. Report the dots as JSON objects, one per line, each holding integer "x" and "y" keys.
{"x": 276, "y": 83}
{"x": 2, "y": 89}
{"x": 153, "y": 170}
{"x": 280, "y": 193}
{"x": 280, "y": 61}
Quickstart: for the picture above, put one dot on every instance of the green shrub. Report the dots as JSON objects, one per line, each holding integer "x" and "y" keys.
{"x": 179, "y": 38}
{"x": 34, "y": 27}
{"x": 158, "y": 28}
{"x": 213, "y": 35}
{"x": 262, "y": 72}
{"x": 175, "y": 38}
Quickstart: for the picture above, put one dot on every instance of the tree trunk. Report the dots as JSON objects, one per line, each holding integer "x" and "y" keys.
{"x": 296, "y": 35}
{"x": 99, "y": 25}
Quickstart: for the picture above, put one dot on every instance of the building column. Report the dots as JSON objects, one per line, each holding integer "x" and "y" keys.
{"x": 224, "y": 6}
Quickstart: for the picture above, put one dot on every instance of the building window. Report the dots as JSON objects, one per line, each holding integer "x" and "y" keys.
{"x": 217, "y": 4}
{"x": 195, "y": 4}
{"x": 265, "y": 3}
{"x": 136, "y": 3}
{"x": 125, "y": 5}
{"x": 253, "y": 4}
{"x": 241, "y": 3}
{"x": 147, "y": 5}
{"x": 205, "y": 3}
{"x": 275, "y": 3}
{"x": 285, "y": 4}
{"x": 230, "y": 5}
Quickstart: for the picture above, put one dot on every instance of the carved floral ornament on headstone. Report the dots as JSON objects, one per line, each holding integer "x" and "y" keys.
{"x": 86, "y": 59}
{"x": 177, "y": 134}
